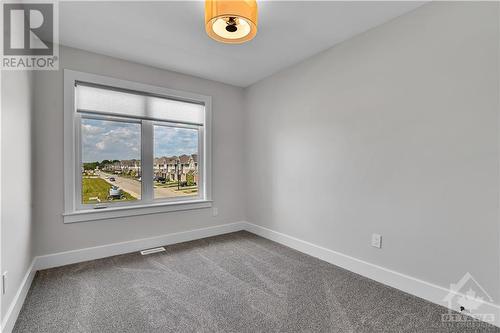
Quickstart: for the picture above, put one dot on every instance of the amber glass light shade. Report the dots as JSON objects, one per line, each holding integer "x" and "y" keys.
{"x": 231, "y": 21}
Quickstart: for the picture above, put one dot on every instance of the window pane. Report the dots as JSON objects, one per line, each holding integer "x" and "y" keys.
{"x": 111, "y": 161}
{"x": 175, "y": 165}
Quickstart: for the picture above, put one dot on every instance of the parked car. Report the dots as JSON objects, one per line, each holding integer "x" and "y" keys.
{"x": 112, "y": 179}
{"x": 115, "y": 193}
{"x": 160, "y": 179}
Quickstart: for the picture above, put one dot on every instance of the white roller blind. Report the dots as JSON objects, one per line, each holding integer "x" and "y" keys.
{"x": 119, "y": 103}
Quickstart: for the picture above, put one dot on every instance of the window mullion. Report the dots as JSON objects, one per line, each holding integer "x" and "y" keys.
{"x": 147, "y": 161}
{"x": 78, "y": 161}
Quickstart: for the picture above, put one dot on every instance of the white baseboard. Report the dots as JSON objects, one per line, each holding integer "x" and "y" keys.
{"x": 75, "y": 256}
{"x": 408, "y": 284}
{"x": 18, "y": 301}
{"x": 103, "y": 251}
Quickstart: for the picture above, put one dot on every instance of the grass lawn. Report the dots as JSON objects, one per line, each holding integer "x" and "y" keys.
{"x": 168, "y": 184}
{"x": 191, "y": 190}
{"x": 174, "y": 185}
{"x": 97, "y": 187}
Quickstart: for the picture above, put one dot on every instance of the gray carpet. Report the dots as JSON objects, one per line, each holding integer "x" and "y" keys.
{"x": 237, "y": 282}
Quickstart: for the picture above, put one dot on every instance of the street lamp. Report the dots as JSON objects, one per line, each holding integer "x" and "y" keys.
{"x": 178, "y": 174}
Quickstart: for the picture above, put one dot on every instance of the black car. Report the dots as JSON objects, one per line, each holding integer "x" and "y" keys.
{"x": 160, "y": 179}
{"x": 112, "y": 179}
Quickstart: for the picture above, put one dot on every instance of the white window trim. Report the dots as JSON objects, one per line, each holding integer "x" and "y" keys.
{"x": 72, "y": 169}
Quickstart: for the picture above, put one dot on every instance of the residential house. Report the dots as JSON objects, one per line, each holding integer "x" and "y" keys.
{"x": 176, "y": 167}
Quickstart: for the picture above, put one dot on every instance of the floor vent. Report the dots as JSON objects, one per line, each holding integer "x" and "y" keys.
{"x": 155, "y": 250}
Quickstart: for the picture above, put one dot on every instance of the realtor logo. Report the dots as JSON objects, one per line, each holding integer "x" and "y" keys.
{"x": 465, "y": 302}
{"x": 30, "y": 34}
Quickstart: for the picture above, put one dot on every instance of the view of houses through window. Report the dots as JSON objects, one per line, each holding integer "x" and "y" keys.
{"x": 111, "y": 161}
{"x": 111, "y": 156}
{"x": 175, "y": 165}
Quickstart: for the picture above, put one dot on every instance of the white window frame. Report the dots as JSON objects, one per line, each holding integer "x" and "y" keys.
{"x": 74, "y": 210}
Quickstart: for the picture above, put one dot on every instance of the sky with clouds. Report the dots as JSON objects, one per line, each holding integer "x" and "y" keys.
{"x": 112, "y": 140}
{"x": 170, "y": 141}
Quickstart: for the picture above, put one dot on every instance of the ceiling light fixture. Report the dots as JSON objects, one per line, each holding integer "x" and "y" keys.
{"x": 231, "y": 21}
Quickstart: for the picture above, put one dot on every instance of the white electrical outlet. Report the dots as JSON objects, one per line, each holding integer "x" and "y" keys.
{"x": 377, "y": 241}
{"x": 215, "y": 211}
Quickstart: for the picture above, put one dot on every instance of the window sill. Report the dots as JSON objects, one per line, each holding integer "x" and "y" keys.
{"x": 116, "y": 212}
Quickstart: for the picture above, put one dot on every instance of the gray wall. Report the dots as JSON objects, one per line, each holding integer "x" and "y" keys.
{"x": 52, "y": 235}
{"x": 16, "y": 145}
{"x": 393, "y": 132}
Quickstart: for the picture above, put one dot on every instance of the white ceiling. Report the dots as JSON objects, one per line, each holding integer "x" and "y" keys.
{"x": 171, "y": 35}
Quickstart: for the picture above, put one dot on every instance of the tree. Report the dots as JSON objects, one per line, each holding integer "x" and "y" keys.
{"x": 90, "y": 165}
{"x": 190, "y": 178}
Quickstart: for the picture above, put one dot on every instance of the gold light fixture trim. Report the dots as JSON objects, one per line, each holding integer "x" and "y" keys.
{"x": 231, "y": 21}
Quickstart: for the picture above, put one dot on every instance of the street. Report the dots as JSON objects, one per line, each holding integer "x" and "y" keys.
{"x": 133, "y": 187}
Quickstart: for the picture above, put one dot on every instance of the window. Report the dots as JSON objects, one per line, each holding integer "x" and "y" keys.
{"x": 133, "y": 149}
